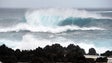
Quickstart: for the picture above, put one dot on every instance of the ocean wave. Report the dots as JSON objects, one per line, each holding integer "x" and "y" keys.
{"x": 103, "y": 11}
{"x": 56, "y": 17}
{"x": 24, "y": 26}
{"x": 59, "y": 20}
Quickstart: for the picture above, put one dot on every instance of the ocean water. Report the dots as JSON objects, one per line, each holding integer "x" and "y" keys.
{"x": 31, "y": 28}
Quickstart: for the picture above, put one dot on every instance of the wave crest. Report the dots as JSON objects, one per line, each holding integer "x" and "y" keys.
{"x": 52, "y": 17}
{"x": 53, "y": 20}
{"x": 27, "y": 27}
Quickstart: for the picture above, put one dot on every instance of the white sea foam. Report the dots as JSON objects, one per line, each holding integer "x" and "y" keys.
{"x": 30, "y": 42}
{"x": 51, "y": 17}
{"x": 48, "y": 20}
{"x": 30, "y": 28}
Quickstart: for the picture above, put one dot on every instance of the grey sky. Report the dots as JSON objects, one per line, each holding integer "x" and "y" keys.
{"x": 56, "y": 3}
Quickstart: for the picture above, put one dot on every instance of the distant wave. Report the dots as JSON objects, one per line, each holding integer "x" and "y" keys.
{"x": 103, "y": 11}
{"x": 59, "y": 20}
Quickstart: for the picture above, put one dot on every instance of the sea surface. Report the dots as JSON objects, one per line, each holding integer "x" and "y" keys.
{"x": 32, "y": 28}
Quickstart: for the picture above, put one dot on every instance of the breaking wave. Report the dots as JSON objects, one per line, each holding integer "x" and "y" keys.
{"x": 26, "y": 27}
{"x": 59, "y": 20}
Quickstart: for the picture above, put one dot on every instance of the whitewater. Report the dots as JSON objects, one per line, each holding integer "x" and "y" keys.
{"x": 57, "y": 20}
{"x": 32, "y": 28}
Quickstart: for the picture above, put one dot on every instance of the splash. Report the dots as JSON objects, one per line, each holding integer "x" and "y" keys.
{"x": 57, "y": 20}
{"x": 53, "y": 17}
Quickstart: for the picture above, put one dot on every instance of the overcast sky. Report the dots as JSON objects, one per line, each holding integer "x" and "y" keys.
{"x": 56, "y": 3}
